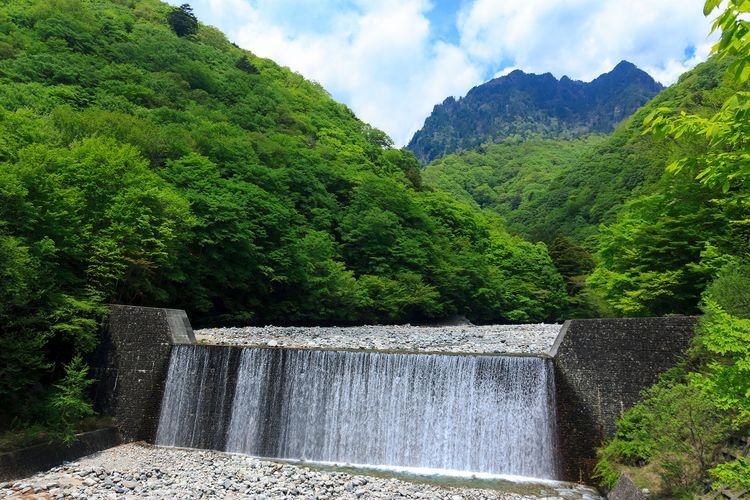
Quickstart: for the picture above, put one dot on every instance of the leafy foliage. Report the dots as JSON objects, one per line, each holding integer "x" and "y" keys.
{"x": 734, "y": 474}
{"x": 68, "y": 400}
{"x": 727, "y": 379}
{"x": 725, "y": 163}
{"x": 684, "y": 424}
{"x": 676, "y": 428}
{"x": 658, "y": 256}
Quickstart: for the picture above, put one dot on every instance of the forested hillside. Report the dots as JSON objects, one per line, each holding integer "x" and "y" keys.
{"x": 571, "y": 186}
{"x": 147, "y": 160}
{"x": 525, "y": 182}
{"x": 654, "y": 223}
{"x": 522, "y": 106}
{"x": 674, "y": 235}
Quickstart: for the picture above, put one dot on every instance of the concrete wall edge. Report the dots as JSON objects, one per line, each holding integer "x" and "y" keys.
{"x": 560, "y": 338}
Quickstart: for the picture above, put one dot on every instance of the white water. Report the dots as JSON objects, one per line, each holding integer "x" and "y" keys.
{"x": 485, "y": 414}
{"x": 194, "y": 408}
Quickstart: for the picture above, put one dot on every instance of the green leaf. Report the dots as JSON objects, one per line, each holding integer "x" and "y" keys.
{"x": 709, "y": 6}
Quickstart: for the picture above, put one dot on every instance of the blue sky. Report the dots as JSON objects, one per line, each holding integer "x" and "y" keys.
{"x": 391, "y": 61}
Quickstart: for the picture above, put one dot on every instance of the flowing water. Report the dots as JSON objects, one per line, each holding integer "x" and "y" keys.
{"x": 489, "y": 414}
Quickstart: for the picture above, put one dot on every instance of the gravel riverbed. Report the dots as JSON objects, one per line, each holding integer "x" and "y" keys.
{"x": 486, "y": 339}
{"x": 138, "y": 470}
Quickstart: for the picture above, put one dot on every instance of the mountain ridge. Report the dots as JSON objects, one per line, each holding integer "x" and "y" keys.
{"x": 543, "y": 186}
{"x": 522, "y": 105}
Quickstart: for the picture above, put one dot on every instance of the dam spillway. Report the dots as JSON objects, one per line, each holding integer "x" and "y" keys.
{"x": 479, "y": 413}
{"x": 600, "y": 365}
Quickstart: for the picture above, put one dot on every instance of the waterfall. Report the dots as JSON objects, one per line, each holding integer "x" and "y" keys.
{"x": 474, "y": 413}
{"x": 194, "y": 409}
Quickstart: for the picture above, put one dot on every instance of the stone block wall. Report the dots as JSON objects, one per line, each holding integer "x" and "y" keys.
{"x": 131, "y": 365}
{"x": 601, "y": 366}
{"x": 28, "y": 461}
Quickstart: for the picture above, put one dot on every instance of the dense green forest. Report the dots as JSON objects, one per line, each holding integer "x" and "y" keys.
{"x": 655, "y": 233}
{"x": 144, "y": 159}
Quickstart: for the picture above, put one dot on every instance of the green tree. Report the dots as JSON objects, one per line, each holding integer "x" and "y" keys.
{"x": 183, "y": 21}
{"x": 68, "y": 402}
{"x": 726, "y": 161}
{"x": 676, "y": 429}
{"x": 650, "y": 260}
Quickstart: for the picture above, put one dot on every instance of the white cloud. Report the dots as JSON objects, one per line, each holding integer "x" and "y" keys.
{"x": 384, "y": 61}
{"x": 377, "y": 58}
{"x": 584, "y": 38}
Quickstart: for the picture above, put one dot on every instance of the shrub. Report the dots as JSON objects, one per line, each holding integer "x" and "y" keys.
{"x": 68, "y": 404}
{"x": 734, "y": 474}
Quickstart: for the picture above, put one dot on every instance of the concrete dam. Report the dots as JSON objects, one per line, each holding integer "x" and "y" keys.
{"x": 539, "y": 415}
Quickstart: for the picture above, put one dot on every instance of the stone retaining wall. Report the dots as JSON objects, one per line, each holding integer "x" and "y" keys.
{"x": 28, "y": 461}
{"x": 601, "y": 367}
{"x": 131, "y": 365}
